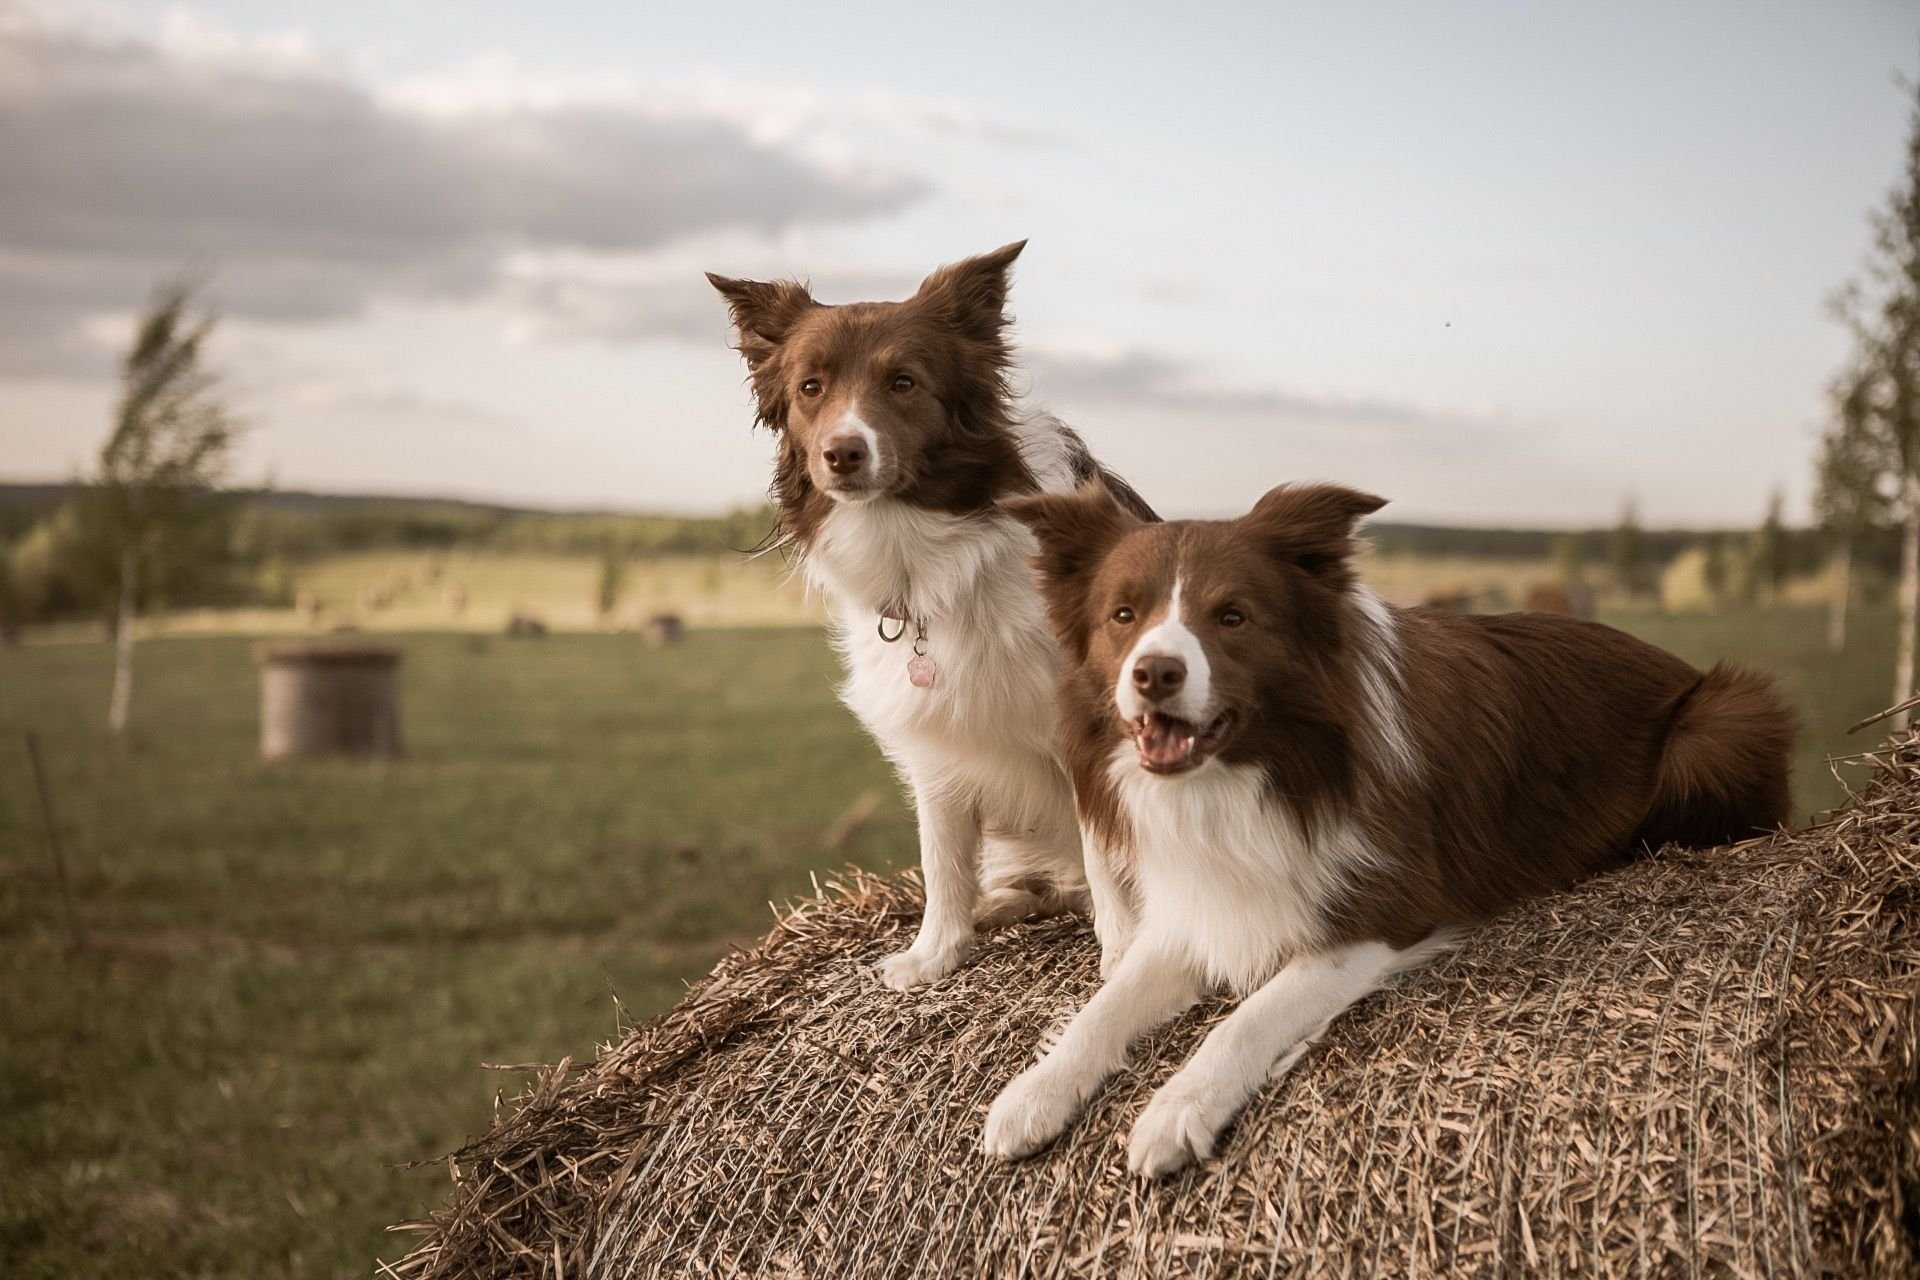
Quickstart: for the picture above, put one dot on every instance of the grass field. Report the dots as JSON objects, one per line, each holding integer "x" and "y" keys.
{"x": 295, "y": 971}
{"x": 1831, "y": 691}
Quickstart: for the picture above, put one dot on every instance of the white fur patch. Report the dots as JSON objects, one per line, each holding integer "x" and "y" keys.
{"x": 1227, "y": 876}
{"x": 1376, "y": 645}
{"x": 1043, "y": 447}
{"x": 879, "y": 463}
{"x": 1170, "y": 637}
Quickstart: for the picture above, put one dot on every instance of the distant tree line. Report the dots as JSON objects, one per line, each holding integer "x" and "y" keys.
{"x": 1803, "y": 551}
{"x": 302, "y": 526}
{"x": 65, "y": 562}
{"x": 60, "y": 555}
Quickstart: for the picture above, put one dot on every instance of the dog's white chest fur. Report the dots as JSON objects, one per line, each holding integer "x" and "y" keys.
{"x": 965, "y": 578}
{"x": 1226, "y": 877}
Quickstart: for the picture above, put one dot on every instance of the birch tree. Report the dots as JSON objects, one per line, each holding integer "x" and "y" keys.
{"x": 1626, "y": 552}
{"x": 1767, "y": 554}
{"x": 171, "y": 442}
{"x": 1849, "y": 496}
{"x": 1883, "y": 311}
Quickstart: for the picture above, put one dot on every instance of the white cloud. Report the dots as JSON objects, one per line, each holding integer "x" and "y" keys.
{"x": 574, "y": 295}
{"x": 130, "y": 154}
{"x": 811, "y": 119}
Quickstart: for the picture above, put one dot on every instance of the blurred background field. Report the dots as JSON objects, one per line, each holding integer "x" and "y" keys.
{"x": 293, "y": 972}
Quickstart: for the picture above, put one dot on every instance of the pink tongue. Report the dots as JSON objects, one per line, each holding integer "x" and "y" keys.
{"x": 1164, "y": 741}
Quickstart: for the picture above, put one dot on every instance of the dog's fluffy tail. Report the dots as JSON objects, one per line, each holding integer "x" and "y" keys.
{"x": 1723, "y": 772}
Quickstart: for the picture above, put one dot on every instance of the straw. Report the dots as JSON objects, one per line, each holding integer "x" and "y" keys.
{"x": 1702, "y": 1064}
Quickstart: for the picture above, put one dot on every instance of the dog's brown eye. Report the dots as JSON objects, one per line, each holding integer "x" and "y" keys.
{"x": 810, "y": 388}
{"x": 901, "y": 382}
{"x": 1123, "y": 615}
{"x": 1231, "y": 617}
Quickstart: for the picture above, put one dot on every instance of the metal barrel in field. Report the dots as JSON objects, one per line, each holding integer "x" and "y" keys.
{"x": 320, "y": 699}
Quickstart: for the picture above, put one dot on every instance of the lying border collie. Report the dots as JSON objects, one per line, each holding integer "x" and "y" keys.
{"x": 1306, "y": 791}
{"x": 896, "y": 438}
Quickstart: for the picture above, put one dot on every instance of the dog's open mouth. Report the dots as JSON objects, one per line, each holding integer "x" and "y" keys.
{"x": 1168, "y": 744}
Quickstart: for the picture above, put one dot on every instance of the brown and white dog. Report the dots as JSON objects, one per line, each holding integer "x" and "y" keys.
{"x": 897, "y": 437}
{"x": 1308, "y": 791}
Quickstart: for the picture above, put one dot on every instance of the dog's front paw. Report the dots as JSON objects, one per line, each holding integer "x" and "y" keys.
{"x": 1029, "y": 1113}
{"x": 1176, "y": 1129}
{"x": 917, "y": 965}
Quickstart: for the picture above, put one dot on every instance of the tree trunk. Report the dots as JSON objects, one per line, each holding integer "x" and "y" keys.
{"x": 1909, "y": 602}
{"x": 1842, "y": 595}
{"x": 123, "y": 644}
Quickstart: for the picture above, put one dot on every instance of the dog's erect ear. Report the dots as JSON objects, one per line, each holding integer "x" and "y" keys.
{"x": 1076, "y": 531}
{"x": 1313, "y": 526}
{"x": 764, "y": 312}
{"x": 972, "y": 294}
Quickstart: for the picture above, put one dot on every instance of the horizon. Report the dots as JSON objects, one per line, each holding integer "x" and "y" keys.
{"x": 516, "y": 506}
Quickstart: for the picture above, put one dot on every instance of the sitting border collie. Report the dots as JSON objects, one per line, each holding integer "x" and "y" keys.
{"x": 896, "y": 439}
{"x": 1306, "y": 791}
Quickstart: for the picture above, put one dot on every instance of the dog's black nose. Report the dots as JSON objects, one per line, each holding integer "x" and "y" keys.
{"x": 1159, "y": 676}
{"x": 845, "y": 455}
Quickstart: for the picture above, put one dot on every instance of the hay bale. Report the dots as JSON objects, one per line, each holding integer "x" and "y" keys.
{"x": 325, "y": 699}
{"x": 1573, "y": 599}
{"x": 1452, "y": 599}
{"x": 1705, "y": 1062}
{"x": 664, "y": 630}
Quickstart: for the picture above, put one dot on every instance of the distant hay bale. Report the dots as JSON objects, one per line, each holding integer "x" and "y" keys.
{"x": 664, "y": 630}
{"x": 1704, "y": 1063}
{"x": 327, "y": 698}
{"x": 1683, "y": 584}
{"x": 1575, "y": 600}
{"x": 1452, "y": 599}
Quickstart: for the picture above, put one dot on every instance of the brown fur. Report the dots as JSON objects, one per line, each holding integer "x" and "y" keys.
{"x": 950, "y": 429}
{"x": 1547, "y": 748}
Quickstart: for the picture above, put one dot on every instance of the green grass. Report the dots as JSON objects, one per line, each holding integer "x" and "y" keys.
{"x": 297, "y": 970}
{"x": 1831, "y": 691}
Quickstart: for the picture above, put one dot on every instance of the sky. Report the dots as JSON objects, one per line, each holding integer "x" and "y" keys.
{"x": 1503, "y": 263}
